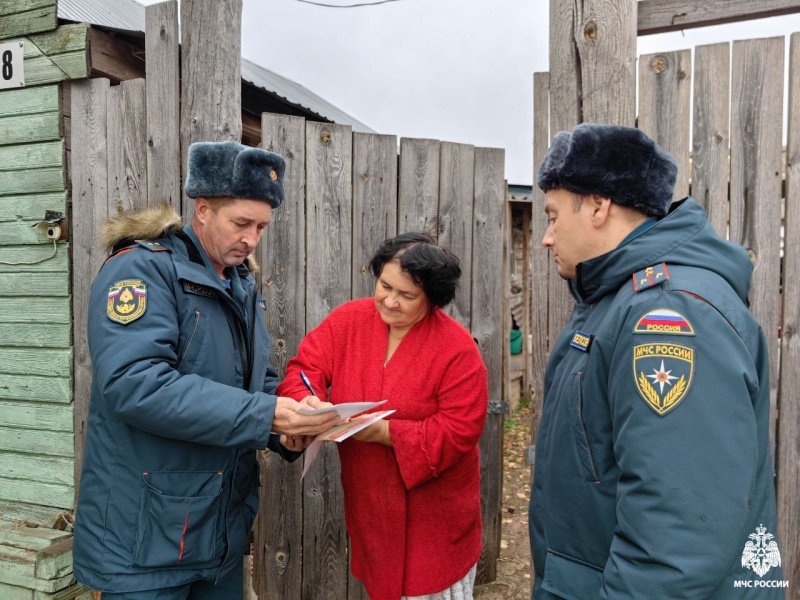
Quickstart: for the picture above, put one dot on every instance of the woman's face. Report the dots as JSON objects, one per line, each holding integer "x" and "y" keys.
{"x": 400, "y": 302}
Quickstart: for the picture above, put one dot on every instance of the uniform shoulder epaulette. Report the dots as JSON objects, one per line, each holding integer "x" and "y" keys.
{"x": 650, "y": 277}
{"x": 129, "y": 245}
{"x": 151, "y": 245}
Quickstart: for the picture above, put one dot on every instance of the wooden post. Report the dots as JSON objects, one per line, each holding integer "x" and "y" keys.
{"x": 664, "y": 114}
{"x": 211, "y": 75}
{"x": 279, "y": 529}
{"x": 756, "y": 116}
{"x": 374, "y": 220}
{"x": 127, "y": 141}
{"x": 487, "y": 328}
{"x": 374, "y": 203}
{"x": 89, "y": 212}
{"x": 328, "y": 267}
{"x": 540, "y": 257}
{"x": 163, "y": 104}
{"x": 456, "y": 189}
{"x": 418, "y": 188}
{"x": 711, "y": 136}
{"x": 788, "y": 403}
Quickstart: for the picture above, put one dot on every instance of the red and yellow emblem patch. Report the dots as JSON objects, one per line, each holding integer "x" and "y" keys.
{"x": 663, "y": 374}
{"x": 127, "y": 301}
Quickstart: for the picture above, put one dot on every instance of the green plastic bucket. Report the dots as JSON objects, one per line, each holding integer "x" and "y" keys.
{"x": 516, "y": 341}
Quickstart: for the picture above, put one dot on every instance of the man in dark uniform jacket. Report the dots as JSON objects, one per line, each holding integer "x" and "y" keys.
{"x": 653, "y": 475}
{"x": 183, "y": 394}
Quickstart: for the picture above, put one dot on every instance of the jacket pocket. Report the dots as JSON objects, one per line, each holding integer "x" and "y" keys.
{"x": 581, "y": 432}
{"x": 571, "y": 578}
{"x": 193, "y": 332}
{"x": 178, "y": 524}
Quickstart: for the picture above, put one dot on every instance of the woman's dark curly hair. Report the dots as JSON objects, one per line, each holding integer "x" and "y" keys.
{"x": 436, "y": 270}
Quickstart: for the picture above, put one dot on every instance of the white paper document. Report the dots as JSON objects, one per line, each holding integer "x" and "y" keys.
{"x": 344, "y": 410}
{"x": 341, "y": 432}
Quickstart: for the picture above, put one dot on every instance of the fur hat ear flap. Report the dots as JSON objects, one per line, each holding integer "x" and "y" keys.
{"x": 620, "y": 163}
{"x": 231, "y": 170}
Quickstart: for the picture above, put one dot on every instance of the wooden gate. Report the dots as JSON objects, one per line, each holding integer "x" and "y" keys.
{"x": 729, "y": 102}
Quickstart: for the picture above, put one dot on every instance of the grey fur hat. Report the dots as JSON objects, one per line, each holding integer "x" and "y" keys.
{"x": 228, "y": 169}
{"x": 620, "y": 163}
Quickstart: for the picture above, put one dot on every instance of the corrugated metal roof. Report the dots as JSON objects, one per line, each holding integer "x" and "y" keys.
{"x": 128, "y": 15}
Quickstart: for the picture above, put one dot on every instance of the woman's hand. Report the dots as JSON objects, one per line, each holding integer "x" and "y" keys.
{"x": 377, "y": 433}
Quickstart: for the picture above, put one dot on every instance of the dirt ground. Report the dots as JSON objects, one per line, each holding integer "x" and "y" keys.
{"x": 514, "y": 565}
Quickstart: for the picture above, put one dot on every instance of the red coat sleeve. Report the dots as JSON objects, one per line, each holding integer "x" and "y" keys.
{"x": 314, "y": 359}
{"x": 426, "y": 448}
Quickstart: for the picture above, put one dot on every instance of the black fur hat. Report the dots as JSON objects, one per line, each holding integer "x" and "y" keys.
{"x": 620, "y": 163}
{"x": 228, "y": 169}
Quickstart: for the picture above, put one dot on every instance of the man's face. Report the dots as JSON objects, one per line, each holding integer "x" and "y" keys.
{"x": 229, "y": 230}
{"x": 570, "y": 235}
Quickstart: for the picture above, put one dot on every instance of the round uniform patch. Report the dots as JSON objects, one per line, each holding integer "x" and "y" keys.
{"x": 127, "y": 301}
{"x": 663, "y": 374}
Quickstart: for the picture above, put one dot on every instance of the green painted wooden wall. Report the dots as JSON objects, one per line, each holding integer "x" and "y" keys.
{"x": 36, "y": 417}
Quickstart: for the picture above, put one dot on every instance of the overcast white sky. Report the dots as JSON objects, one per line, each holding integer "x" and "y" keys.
{"x": 454, "y": 70}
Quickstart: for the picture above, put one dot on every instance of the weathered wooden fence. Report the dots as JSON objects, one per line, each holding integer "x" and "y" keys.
{"x": 345, "y": 193}
{"x": 733, "y": 166}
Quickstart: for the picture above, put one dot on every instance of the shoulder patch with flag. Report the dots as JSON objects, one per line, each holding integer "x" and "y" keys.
{"x": 127, "y": 301}
{"x": 663, "y": 374}
{"x": 663, "y": 320}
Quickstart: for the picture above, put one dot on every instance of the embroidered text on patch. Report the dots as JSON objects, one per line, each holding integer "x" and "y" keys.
{"x": 581, "y": 340}
{"x": 649, "y": 277}
{"x": 127, "y": 301}
{"x": 663, "y": 374}
{"x": 663, "y": 320}
{"x": 198, "y": 289}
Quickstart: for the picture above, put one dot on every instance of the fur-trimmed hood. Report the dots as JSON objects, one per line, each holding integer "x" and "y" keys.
{"x": 148, "y": 224}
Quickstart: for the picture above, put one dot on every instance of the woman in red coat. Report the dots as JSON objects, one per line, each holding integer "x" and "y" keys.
{"x": 412, "y": 481}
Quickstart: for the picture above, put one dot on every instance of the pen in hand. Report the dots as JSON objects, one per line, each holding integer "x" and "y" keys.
{"x": 307, "y": 383}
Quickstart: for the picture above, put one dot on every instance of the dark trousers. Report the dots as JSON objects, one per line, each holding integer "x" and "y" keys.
{"x": 229, "y": 588}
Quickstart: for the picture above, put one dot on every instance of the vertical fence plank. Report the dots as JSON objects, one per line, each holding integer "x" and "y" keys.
{"x": 711, "y": 136}
{"x": 456, "y": 190}
{"x": 374, "y": 220}
{"x": 487, "y": 327}
{"x": 418, "y": 189}
{"x": 526, "y": 302}
{"x": 789, "y": 401}
{"x": 89, "y": 211}
{"x": 163, "y": 104}
{"x": 328, "y": 235}
{"x": 540, "y": 257}
{"x": 127, "y": 140}
{"x": 605, "y": 36}
{"x": 756, "y": 118}
{"x": 664, "y": 107}
{"x": 566, "y": 111}
{"x": 374, "y": 203}
{"x": 211, "y": 79}
{"x": 278, "y": 537}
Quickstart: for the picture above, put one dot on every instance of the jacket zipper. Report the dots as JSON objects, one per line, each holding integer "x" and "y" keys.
{"x": 251, "y": 362}
{"x": 191, "y": 338}
{"x": 583, "y": 429}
